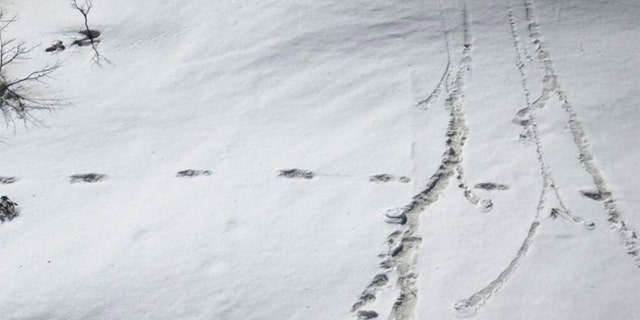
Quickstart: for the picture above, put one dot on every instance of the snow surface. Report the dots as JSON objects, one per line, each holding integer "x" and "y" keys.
{"x": 346, "y": 90}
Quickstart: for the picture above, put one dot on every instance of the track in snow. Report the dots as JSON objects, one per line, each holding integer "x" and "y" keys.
{"x": 586, "y": 158}
{"x": 426, "y": 103}
{"x": 526, "y": 117}
{"x": 403, "y": 243}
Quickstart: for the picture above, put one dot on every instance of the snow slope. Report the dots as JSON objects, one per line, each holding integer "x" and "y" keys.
{"x": 538, "y": 96}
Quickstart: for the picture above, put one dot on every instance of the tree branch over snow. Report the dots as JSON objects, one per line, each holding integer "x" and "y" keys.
{"x": 16, "y": 102}
{"x": 84, "y": 10}
{"x": 91, "y": 36}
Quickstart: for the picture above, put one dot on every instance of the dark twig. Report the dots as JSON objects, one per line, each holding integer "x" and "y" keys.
{"x": 90, "y": 35}
{"x": 16, "y": 102}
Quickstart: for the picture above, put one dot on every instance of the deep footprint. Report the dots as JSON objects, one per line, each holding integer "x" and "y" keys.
{"x": 87, "y": 177}
{"x": 296, "y": 174}
{"x": 363, "y": 315}
{"x": 192, "y": 173}
{"x": 382, "y": 178}
{"x": 385, "y": 177}
{"x": 593, "y": 195}
{"x": 8, "y": 180}
{"x": 404, "y": 179}
{"x": 491, "y": 186}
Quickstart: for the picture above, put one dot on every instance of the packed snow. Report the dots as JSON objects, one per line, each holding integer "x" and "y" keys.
{"x": 325, "y": 160}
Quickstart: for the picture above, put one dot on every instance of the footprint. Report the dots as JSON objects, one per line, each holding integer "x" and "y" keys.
{"x": 395, "y": 216}
{"x": 586, "y": 223}
{"x": 398, "y": 250}
{"x": 385, "y": 177}
{"x": 365, "y": 298}
{"x": 365, "y": 314}
{"x": 296, "y": 174}
{"x": 369, "y": 294}
{"x": 380, "y": 280}
{"x": 8, "y": 180}
{"x": 525, "y": 136}
{"x": 387, "y": 264}
{"x": 382, "y": 178}
{"x": 485, "y": 205}
{"x": 87, "y": 177}
{"x": 555, "y": 213}
{"x": 404, "y": 179}
{"x": 593, "y": 195}
{"x": 589, "y": 225}
{"x": 393, "y": 237}
{"x": 192, "y": 173}
{"x": 491, "y": 186}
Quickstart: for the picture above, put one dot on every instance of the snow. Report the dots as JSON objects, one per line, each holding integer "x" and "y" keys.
{"x": 245, "y": 89}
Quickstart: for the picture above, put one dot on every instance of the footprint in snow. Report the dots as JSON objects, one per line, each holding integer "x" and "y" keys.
{"x": 296, "y": 174}
{"x": 8, "y": 180}
{"x": 190, "y": 173}
{"x": 593, "y": 195}
{"x": 491, "y": 186}
{"x": 385, "y": 177}
{"x": 364, "y": 315}
{"x": 87, "y": 177}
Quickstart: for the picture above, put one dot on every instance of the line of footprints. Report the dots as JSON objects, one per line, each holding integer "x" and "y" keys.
{"x": 9, "y": 210}
{"x": 190, "y": 173}
{"x": 290, "y": 174}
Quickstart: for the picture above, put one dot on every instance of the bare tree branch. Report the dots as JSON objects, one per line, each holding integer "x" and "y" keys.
{"x": 5, "y": 21}
{"x": 84, "y": 9}
{"x": 35, "y": 75}
{"x": 16, "y": 100}
{"x": 90, "y": 35}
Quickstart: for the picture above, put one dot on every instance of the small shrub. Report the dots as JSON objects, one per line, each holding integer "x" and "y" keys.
{"x": 8, "y": 209}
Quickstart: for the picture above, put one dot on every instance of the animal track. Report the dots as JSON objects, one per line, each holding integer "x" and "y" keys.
{"x": 404, "y": 179}
{"x": 395, "y": 216}
{"x": 8, "y": 180}
{"x": 381, "y": 178}
{"x": 364, "y": 315}
{"x": 586, "y": 158}
{"x": 468, "y": 307}
{"x": 87, "y": 177}
{"x": 557, "y": 212}
{"x": 369, "y": 294}
{"x": 57, "y": 46}
{"x": 485, "y": 205}
{"x": 491, "y": 186}
{"x": 90, "y": 36}
{"x": 192, "y": 173}
{"x": 403, "y": 243}
{"x": 527, "y": 118}
{"x": 385, "y": 177}
{"x": 380, "y": 280}
{"x": 296, "y": 174}
{"x": 593, "y": 195}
